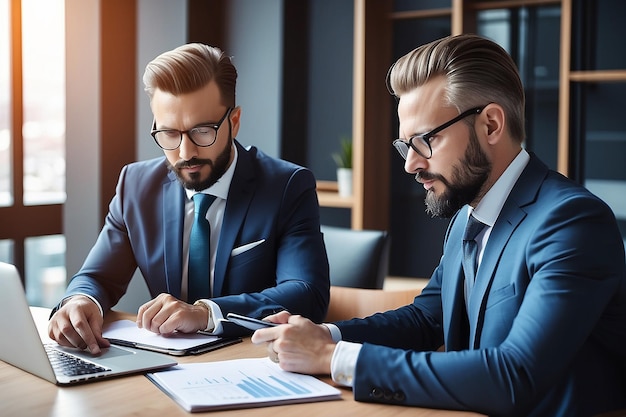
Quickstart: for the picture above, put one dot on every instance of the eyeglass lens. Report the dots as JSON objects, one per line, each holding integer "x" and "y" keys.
{"x": 419, "y": 145}
{"x": 204, "y": 135}
{"x": 201, "y": 136}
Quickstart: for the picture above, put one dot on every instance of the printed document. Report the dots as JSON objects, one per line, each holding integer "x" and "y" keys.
{"x": 239, "y": 383}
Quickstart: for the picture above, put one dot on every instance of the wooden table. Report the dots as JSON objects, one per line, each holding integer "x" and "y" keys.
{"x": 22, "y": 394}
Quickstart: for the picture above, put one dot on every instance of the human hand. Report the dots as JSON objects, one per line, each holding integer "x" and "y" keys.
{"x": 299, "y": 345}
{"x": 78, "y": 323}
{"x": 166, "y": 314}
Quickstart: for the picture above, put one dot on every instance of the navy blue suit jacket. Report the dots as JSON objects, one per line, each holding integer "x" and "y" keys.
{"x": 547, "y": 316}
{"x": 268, "y": 199}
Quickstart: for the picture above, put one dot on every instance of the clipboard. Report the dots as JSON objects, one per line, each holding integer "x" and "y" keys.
{"x": 126, "y": 333}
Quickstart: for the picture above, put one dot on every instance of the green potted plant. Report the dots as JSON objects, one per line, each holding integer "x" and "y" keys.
{"x": 343, "y": 159}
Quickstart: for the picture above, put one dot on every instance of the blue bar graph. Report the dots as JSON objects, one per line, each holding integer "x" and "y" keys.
{"x": 259, "y": 388}
{"x": 293, "y": 387}
{"x": 239, "y": 383}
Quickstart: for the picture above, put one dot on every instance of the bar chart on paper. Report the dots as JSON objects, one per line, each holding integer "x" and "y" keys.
{"x": 246, "y": 386}
{"x": 274, "y": 387}
{"x": 239, "y": 383}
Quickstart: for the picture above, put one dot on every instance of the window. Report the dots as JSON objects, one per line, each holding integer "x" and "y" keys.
{"x": 43, "y": 126}
{"x": 32, "y": 143}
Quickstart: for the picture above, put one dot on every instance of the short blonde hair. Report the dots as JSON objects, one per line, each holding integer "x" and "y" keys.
{"x": 189, "y": 68}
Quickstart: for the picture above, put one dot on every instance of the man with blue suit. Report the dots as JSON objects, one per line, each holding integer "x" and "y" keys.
{"x": 539, "y": 328}
{"x": 265, "y": 252}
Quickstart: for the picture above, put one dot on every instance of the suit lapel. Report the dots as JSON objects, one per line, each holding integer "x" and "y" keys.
{"x": 240, "y": 194}
{"x": 500, "y": 235}
{"x": 523, "y": 193}
{"x": 453, "y": 301}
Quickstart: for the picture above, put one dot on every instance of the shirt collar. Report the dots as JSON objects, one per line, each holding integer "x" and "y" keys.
{"x": 488, "y": 210}
{"x": 221, "y": 187}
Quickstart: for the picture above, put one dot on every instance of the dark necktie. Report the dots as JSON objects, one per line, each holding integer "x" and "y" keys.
{"x": 470, "y": 252}
{"x": 199, "y": 285}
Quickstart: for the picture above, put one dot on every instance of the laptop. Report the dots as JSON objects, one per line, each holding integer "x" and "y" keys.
{"x": 22, "y": 346}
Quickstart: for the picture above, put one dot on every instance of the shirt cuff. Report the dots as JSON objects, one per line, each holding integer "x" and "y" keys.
{"x": 343, "y": 363}
{"x": 214, "y": 325}
{"x": 335, "y": 333}
{"x": 63, "y": 301}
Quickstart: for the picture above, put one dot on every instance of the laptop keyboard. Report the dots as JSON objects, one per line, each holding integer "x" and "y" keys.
{"x": 65, "y": 364}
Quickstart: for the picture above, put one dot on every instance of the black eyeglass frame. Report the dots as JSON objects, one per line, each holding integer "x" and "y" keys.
{"x": 402, "y": 146}
{"x": 189, "y": 132}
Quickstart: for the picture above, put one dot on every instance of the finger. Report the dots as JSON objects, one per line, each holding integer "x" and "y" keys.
{"x": 69, "y": 336}
{"x": 159, "y": 311}
{"x": 141, "y": 311}
{"x": 265, "y": 335}
{"x": 61, "y": 339}
{"x": 82, "y": 326}
{"x": 169, "y": 326}
{"x": 97, "y": 331}
{"x": 62, "y": 331}
{"x": 166, "y": 321}
{"x": 53, "y": 332}
{"x": 146, "y": 318}
{"x": 280, "y": 317}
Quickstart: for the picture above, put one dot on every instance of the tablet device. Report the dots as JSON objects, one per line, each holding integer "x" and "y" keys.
{"x": 126, "y": 333}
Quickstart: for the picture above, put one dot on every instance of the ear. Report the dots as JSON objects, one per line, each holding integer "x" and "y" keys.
{"x": 235, "y": 115}
{"x": 494, "y": 118}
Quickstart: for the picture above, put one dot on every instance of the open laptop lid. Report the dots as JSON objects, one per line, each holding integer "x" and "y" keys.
{"x": 22, "y": 347}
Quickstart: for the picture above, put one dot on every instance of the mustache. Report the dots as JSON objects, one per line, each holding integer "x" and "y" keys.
{"x": 192, "y": 162}
{"x": 429, "y": 176}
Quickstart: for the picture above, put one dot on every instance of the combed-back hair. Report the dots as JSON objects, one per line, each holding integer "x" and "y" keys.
{"x": 477, "y": 71}
{"x": 189, "y": 68}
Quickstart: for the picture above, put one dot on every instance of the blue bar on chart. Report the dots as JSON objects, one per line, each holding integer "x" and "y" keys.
{"x": 292, "y": 386}
{"x": 259, "y": 388}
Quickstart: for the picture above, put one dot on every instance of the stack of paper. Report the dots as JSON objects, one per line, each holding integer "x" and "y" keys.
{"x": 240, "y": 383}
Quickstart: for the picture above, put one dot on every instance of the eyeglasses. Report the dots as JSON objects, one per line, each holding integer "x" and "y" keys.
{"x": 421, "y": 143}
{"x": 203, "y": 135}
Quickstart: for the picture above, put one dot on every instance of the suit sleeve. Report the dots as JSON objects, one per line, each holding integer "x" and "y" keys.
{"x": 110, "y": 264}
{"x": 572, "y": 261}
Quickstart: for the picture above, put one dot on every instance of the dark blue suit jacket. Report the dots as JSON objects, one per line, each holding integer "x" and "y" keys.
{"x": 268, "y": 199}
{"x": 547, "y": 319}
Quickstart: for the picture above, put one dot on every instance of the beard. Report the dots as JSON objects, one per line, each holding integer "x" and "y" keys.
{"x": 468, "y": 178}
{"x": 218, "y": 168}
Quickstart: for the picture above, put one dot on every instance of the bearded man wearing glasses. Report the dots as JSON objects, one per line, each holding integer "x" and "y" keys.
{"x": 254, "y": 246}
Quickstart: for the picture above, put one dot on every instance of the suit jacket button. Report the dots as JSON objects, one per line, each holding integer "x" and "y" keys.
{"x": 387, "y": 395}
{"x": 376, "y": 393}
{"x": 399, "y": 396}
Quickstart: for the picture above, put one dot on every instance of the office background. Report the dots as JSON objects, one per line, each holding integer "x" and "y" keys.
{"x": 296, "y": 76}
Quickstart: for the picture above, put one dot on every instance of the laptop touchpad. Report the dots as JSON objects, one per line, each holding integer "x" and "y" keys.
{"x": 107, "y": 353}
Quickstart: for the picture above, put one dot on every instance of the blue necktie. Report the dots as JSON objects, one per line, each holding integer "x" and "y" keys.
{"x": 470, "y": 252}
{"x": 200, "y": 250}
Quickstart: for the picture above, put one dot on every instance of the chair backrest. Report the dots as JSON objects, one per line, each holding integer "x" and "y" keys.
{"x": 348, "y": 303}
{"x": 357, "y": 258}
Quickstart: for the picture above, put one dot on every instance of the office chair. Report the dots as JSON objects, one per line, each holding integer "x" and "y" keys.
{"x": 357, "y": 258}
{"x": 347, "y": 303}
